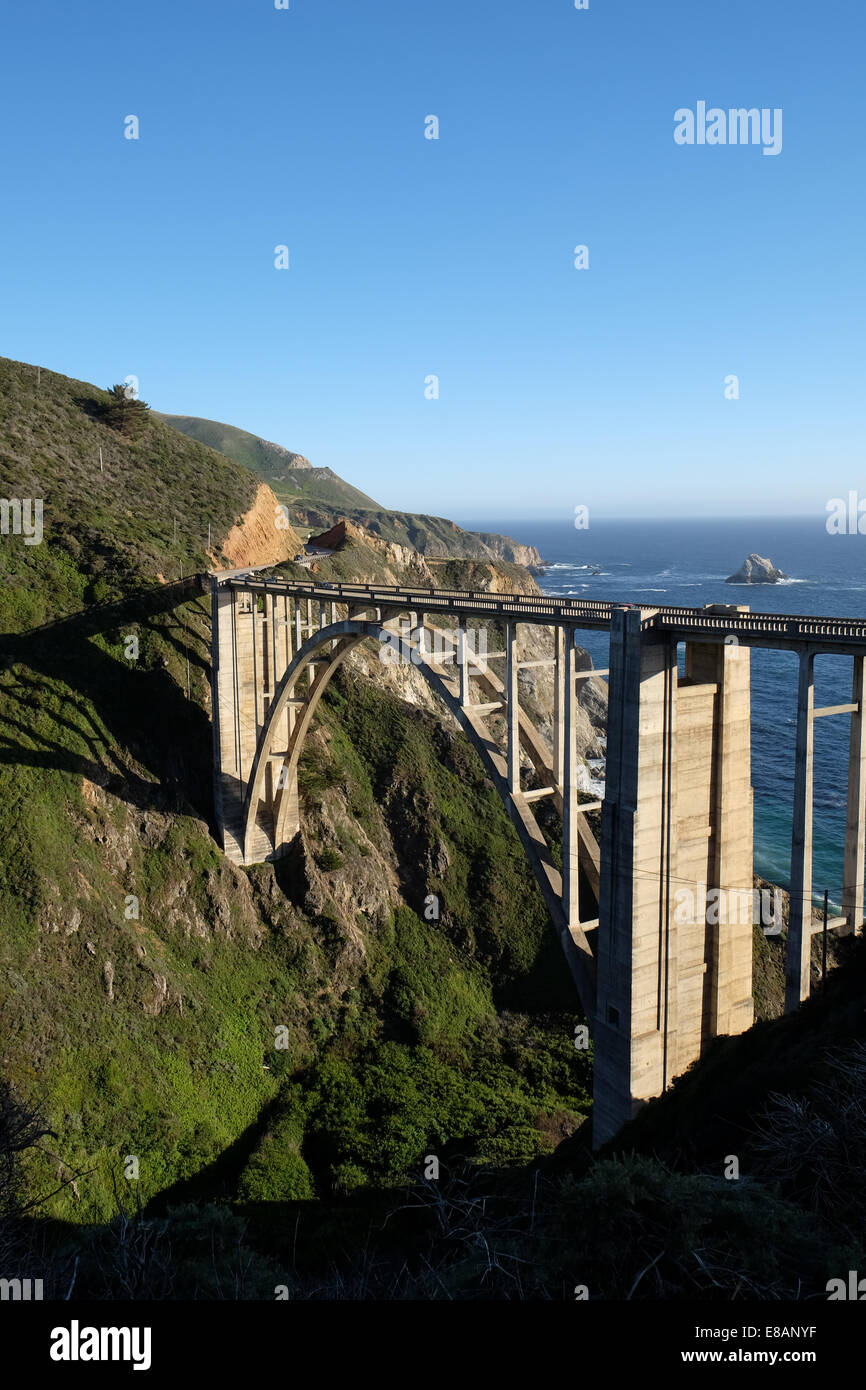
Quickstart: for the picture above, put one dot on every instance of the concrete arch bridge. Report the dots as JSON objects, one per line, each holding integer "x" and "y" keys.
{"x": 678, "y": 800}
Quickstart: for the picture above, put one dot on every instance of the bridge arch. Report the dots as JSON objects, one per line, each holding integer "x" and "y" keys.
{"x": 336, "y": 641}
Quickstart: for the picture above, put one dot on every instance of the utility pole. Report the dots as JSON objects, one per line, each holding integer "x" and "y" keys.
{"x": 101, "y": 466}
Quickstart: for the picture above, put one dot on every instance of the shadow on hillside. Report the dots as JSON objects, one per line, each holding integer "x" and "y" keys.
{"x": 114, "y": 706}
{"x": 216, "y": 1181}
{"x": 91, "y": 407}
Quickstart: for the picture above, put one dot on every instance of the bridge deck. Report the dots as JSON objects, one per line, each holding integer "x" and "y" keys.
{"x": 787, "y": 630}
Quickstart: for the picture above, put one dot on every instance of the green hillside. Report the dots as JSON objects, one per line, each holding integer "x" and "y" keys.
{"x": 142, "y": 512}
{"x": 290, "y": 475}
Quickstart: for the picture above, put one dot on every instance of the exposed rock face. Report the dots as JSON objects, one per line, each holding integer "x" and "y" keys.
{"x": 294, "y": 460}
{"x": 334, "y": 538}
{"x": 435, "y": 537}
{"x": 258, "y": 540}
{"x": 756, "y": 570}
{"x": 404, "y": 565}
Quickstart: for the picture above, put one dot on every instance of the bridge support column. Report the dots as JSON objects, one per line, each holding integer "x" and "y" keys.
{"x": 257, "y": 662}
{"x": 512, "y": 711}
{"x": 310, "y": 628}
{"x": 612, "y": 1081}
{"x": 463, "y": 663}
{"x": 282, "y": 653}
{"x": 855, "y": 827}
{"x": 675, "y": 912}
{"x": 558, "y": 707}
{"x": 407, "y": 626}
{"x": 799, "y": 954}
{"x": 570, "y": 837}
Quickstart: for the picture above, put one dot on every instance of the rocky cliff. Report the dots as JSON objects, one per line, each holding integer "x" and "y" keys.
{"x": 262, "y": 537}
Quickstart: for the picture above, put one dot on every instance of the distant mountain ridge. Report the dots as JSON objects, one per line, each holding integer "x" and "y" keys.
{"x": 226, "y": 438}
{"x": 318, "y": 498}
{"x": 290, "y": 475}
{"x": 434, "y": 537}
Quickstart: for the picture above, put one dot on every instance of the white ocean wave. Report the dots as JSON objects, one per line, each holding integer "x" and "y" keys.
{"x": 590, "y": 786}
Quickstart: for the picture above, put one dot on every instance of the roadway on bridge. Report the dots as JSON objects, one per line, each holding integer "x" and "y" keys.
{"x": 713, "y": 623}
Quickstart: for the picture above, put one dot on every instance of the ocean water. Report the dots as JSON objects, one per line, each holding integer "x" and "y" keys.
{"x": 686, "y": 562}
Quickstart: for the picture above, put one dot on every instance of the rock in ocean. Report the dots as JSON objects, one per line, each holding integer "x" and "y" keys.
{"x": 756, "y": 570}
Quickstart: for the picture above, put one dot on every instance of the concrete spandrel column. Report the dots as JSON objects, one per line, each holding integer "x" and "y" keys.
{"x": 289, "y": 653}
{"x": 311, "y": 669}
{"x": 273, "y": 654}
{"x": 462, "y": 663}
{"x": 234, "y": 693}
{"x": 256, "y": 662}
{"x": 558, "y": 706}
{"x": 855, "y": 826}
{"x": 799, "y": 955}
{"x": 512, "y": 712}
{"x": 299, "y": 637}
{"x": 404, "y": 627}
{"x": 570, "y": 838}
{"x": 287, "y": 629}
{"x": 281, "y": 650}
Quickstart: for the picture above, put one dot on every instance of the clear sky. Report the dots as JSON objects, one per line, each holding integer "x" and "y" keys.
{"x": 454, "y": 257}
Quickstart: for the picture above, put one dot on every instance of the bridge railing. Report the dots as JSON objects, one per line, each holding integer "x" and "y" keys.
{"x": 795, "y": 628}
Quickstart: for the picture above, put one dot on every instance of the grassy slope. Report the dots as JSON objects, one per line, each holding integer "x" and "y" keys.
{"x": 289, "y": 475}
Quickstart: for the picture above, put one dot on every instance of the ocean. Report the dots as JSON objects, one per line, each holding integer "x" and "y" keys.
{"x": 686, "y": 562}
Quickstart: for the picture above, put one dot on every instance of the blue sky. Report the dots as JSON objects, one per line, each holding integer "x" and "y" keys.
{"x": 453, "y": 257}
